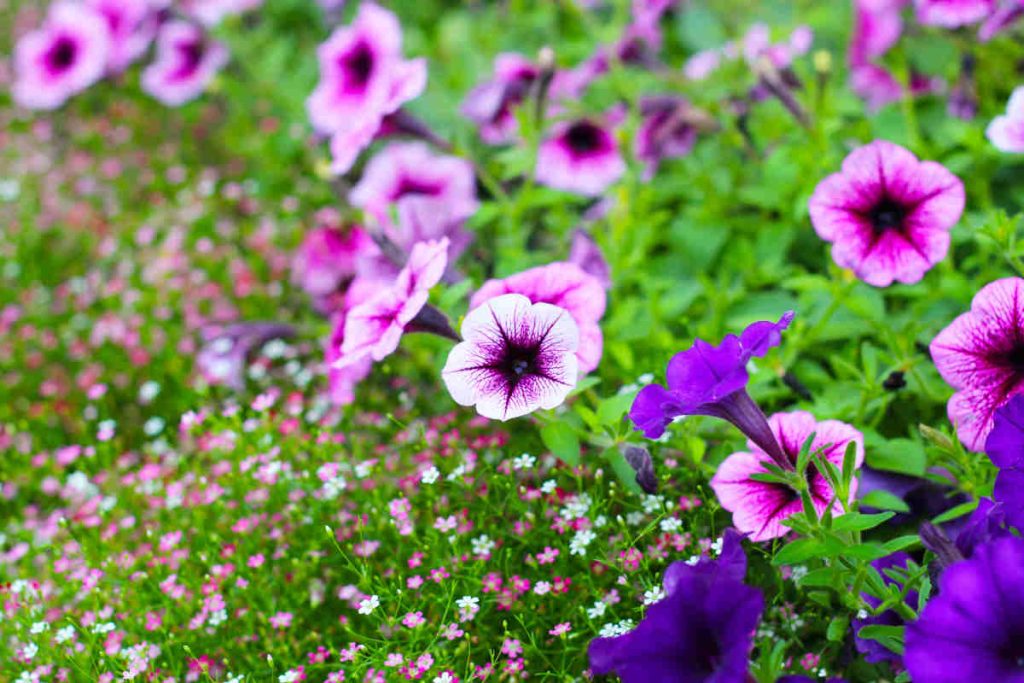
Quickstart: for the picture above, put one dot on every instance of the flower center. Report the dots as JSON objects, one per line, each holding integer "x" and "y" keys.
{"x": 1014, "y": 358}
{"x": 414, "y": 186}
{"x": 886, "y": 215}
{"x": 358, "y": 65}
{"x": 191, "y": 56}
{"x": 62, "y": 54}
{"x": 583, "y": 137}
{"x": 518, "y": 362}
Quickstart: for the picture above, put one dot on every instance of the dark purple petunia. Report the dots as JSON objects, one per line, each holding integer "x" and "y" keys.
{"x": 712, "y": 380}
{"x": 491, "y": 105}
{"x": 1005, "y": 446}
{"x": 873, "y": 650}
{"x": 701, "y": 631}
{"x": 667, "y": 131}
{"x": 973, "y": 630}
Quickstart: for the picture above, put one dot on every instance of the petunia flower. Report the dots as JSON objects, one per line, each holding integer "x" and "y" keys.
{"x": 585, "y": 253}
{"x": 62, "y": 58}
{"x": 1006, "y": 132}
{"x": 887, "y": 214}
{"x": 758, "y": 508}
{"x": 373, "y": 328}
{"x": 328, "y": 259}
{"x": 580, "y": 156}
{"x": 223, "y": 356}
{"x": 517, "y": 357}
{"x": 431, "y": 194}
{"x": 212, "y": 12}
{"x": 981, "y": 355}
{"x": 363, "y": 78}
{"x": 132, "y": 25}
{"x": 564, "y": 285}
{"x": 877, "y": 26}
{"x": 1007, "y": 12}
{"x": 1005, "y": 446}
{"x": 973, "y": 628}
{"x": 491, "y": 104}
{"x": 701, "y": 631}
{"x": 186, "y": 61}
{"x": 666, "y": 131}
{"x": 712, "y": 380}
{"x": 872, "y": 650}
{"x": 952, "y": 13}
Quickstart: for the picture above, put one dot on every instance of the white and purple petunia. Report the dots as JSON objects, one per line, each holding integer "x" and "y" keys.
{"x": 516, "y": 357}
{"x": 580, "y": 156}
{"x": 887, "y": 214}
{"x": 981, "y": 355}
{"x": 1006, "y": 132}
{"x": 363, "y": 77}
{"x": 186, "y": 61}
{"x": 62, "y": 58}
{"x": 758, "y": 508}
{"x": 952, "y": 13}
{"x": 132, "y": 25}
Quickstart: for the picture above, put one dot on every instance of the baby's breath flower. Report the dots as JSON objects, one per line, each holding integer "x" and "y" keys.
{"x": 367, "y": 605}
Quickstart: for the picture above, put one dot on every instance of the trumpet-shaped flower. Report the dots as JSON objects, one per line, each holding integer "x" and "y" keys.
{"x": 580, "y": 156}
{"x": 186, "y": 61}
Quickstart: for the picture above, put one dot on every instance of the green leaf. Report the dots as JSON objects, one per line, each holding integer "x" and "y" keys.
{"x": 798, "y": 551}
{"x": 958, "y": 511}
{"x": 891, "y": 637}
{"x": 611, "y": 409}
{"x": 561, "y": 440}
{"x": 819, "y": 578}
{"x": 899, "y": 455}
{"x": 837, "y": 629}
{"x": 883, "y": 500}
{"x": 900, "y": 543}
{"x": 856, "y": 521}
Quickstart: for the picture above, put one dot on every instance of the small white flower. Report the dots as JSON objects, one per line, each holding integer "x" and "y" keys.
{"x": 654, "y": 595}
{"x": 634, "y": 518}
{"x": 580, "y": 541}
{"x": 430, "y": 476}
{"x": 288, "y": 677}
{"x": 153, "y": 426}
{"x": 542, "y": 588}
{"x": 598, "y": 610}
{"x": 576, "y": 507}
{"x": 654, "y": 504}
{"x": 524, "y": 462}
{"x": 363, "y": 469}
{"x": 798, "y": 573}
{"x": 104, "y": 627}
{"x": 64, "y": 634}
{"x": 482, "y": 545}
{"x": 862, "y": 614}
{"x": 671, "y": 525}
{"x": 467, "y": 602}
{"x": 367, "y": 605}
{"x": 549, "y": 486}
{"x": 29, "y": 651}
{"x": 148, "y": 391}
{"x": 456, "y": 473}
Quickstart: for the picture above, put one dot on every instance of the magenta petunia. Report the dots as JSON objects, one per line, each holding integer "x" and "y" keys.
{"x": 62, "y": 58}
{"x": 186, "y": 61}
{"x": 567, "y": 286}
{"x": 877, "y": 26}
{"x": 887, "y": 215}
{"x": 1006, "y": 132}
{"x": 580, "y": 156}
{"x": 374, "y": 328}
{"x": 363, "y": 77}
{"x": 342, "y": 381}
{"x": 328, "y": 259}
{"x": 491, "y": 104}
{"x": 952, "y": 13}
{"x": 665, "y": 131}
{"x": 758, "y": 508}
{"x": 132, "y": 25}
{"x": 981, "y": 355}
{"x": 516, "y": 357}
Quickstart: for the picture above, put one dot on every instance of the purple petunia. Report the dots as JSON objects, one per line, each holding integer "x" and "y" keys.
{"x": 132, "y": 25}
{"x": 701, "y": 631}
{"x": 952, "y": 13}
{"x": 186, "y": 61}
{"x": 712, "y": 380}
{"x": 491, "y": 104}
{"x": 517, "y": 357}
{"x": 887, "y": 215}
{"x": 64, "y": 57}
{"x": 580, "y": 156}
{"x": 973, "y": 629}
{"x": 1005, "y": 446}
{"x": 665, "y": 132}
{"x": 981, "y": 355}
{"x": 328, "y": 259}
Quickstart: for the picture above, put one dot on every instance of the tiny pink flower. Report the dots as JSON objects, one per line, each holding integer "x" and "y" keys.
{"x": 758, "y": 508}
{"x": 413, "y": 619}
{"x": 64, "y": 57}
{"x": 1006, "y": 132}
{"x": 517, "y": 357}
{"x": 281, "y": 620}
{"x": 186, "y": 61}
{"x": 580, "y": 156}
{"x": 887, "y": 214}
{"x": 560, "y": 629}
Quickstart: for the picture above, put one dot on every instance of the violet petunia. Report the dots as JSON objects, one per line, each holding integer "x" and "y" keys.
{"x": 1005, "y": 446}
{"x": 973, "y": 629}
{"x": 877, "y": 26}
{"x": 759, "y": 508}
{"x": 564, "y": 285}
{"x": 491, "y": 104}
{"x": 62, "y": 58}
{"x": 132, "y": 25}
{"x": 952, "y": 13}
{"x": 981, "y": 355}
{"x": 702, "y": 630}
{"x": 887, "y": 215}
{"x": 666, "y": 131}
{"x": 1006, "y": 131}
{"x": 580, "y": 156}
{"x": 712, "y": 380}
{"x": 586, "y": 253}
{"x": 186, "y": 61}
{"x": 516, "y": 357}
{"x": 374, "y": 328}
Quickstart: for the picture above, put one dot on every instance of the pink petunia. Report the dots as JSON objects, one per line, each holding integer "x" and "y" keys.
{"x": 490, "y": 105}
{"x": 564, "y": 285}
{"x": 981, "y": 355}
{"x": 952, "y": 13}
{"x": 363, "y": 77}
{"x": 212, "y": 12}
{"x": 64, "y": 57}
{"x": 665, "y": 131}
{"x": 758, "y": 508}
{"x": 328, "y": 259}
{"x": 517, "y": 357}
{"x": 887, "y": 214}
{"x": 186, "y": 61}
{"x": 132, "y": 25}
{"x": 1006, "y": 132}
{"x": 580, "y": 156}
{"x": 374, "y": 327}
{"x": 877, "y": 26}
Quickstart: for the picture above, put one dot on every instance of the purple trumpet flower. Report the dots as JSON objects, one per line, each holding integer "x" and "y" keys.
{"x": 712, "y": 380}
{"x": 1005, "y": 446}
